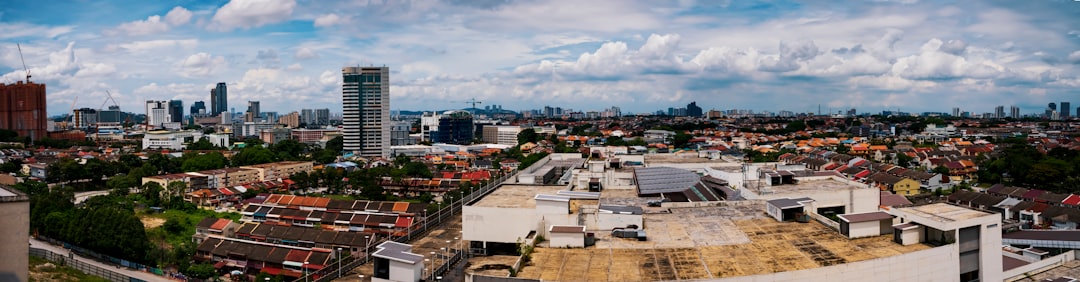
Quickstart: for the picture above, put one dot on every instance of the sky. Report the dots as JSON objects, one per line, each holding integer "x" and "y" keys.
{"x": 640, "y": 56}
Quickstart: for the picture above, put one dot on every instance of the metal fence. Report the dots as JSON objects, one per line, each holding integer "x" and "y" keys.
{"x": 87, "y": 253}
{"x": 430, "y": 222}
{"x": 81, "y": 266}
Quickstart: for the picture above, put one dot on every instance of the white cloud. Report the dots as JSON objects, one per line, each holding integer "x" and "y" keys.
{"x": 153, "y": 24}
{"x": 17, "y": 30}
{"x": 201, "y": 65}
{"x": 329, "y": 20}
{"x": 252, "y": 13}
{"x": 303, "y": 53}
{"x": 152, "y": 45}
{"x": 1074, "y": 57}
{"x": 178, "y": 16}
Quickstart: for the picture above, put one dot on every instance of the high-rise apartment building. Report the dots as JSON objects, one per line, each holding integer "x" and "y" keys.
{"x": 692, "y": 110}
{"x": 307, "y": 117}
{"x": 157, "y": 113}
{"x": 365, "y": 96}
{"x": 955, "y": 112}
{"x": 252, "y": 114}
{"x": 219, "y": 99}
{"x": 176, "y": 111}
{"x": 1051, "y": 109}
{"x": 291, "y": 120}
{"x": 1065, "y": 110}
{"x": 322, "y": 117}
{"x": 999, "y": 112}
{"x": 1014, "y": 112}
{"x": 198, "y": 108}
{"x": 22, "y": 109}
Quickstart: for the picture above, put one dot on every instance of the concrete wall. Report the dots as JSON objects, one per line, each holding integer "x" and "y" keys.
{"x": 552, "y": 207}
{"x": 1039, "y": 266}
{"x": 607, "y": 221}
{"x": 492, "y": 224}
{"x": 400, "y": 271}
{"x": 864, "y": 229}
{"x": 14, "y": 244}
{"x": 567, "y": 240}
{"x": 936, "y": 264}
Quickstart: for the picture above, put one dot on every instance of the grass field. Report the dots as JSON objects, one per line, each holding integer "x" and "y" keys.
{"x": 41, "y": 273}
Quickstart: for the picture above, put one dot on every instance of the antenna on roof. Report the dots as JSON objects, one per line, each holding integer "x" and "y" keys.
{"x": 23, "y": 62}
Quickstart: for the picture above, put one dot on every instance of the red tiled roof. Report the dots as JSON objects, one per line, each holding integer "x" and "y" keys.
{"x": 220, "y": 224}
{"x": 403, "y": 221}
{"x": 1031, "y": 194}
{"x": 1073, "y": 199}
{"x": 862, "y": 174}
{"x": 297, "y": 255}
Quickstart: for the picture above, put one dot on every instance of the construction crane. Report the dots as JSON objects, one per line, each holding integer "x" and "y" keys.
{"x": 472, "y": 102}
{"x": 110, "y": 98}
{"x": 23, "y": 62}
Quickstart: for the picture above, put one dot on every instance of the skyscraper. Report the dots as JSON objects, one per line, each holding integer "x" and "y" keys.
{"x": 198, "y": 108}
{"x": 999, "y": 112}
{"x": 176, "y": 110}
{"x": 1065, "y": 110}
{"x": 157, "y": 113}
{"x": 692, "y": 110}
{"x": 253, "y": 112}
{"x": 22, "y": 109}
{"x": 955, "y": 112}
{"x": 1050, "y": 109}
{"x": 307, "y": 117}
{"x": 1014, "y": 112}
{"x": 322, "y": 117}
{"x": 219, "y": 99}
{"x": 365, "y": 96}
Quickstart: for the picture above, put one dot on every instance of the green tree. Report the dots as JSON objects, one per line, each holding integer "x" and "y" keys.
{"x": 289, "y": 149}
{"x": 202, "y": 271}
{"x": 253, "y": 155}
{"x": 202, "y": 144}
{"x": 336, "y": 145}
{"x": 681, "y": 139}
{"x": 527, "y": 135}
{"x": 199, "y": 162}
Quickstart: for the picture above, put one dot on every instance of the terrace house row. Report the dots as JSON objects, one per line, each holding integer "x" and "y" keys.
{"x": 332, "y": 214}
{"x": 1032, "y": 208}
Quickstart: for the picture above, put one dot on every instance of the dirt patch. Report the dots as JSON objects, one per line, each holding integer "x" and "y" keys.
{"x": 151, "y": 222}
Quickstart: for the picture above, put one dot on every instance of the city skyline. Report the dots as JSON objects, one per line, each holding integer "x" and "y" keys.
{"x": 882, "y": 55}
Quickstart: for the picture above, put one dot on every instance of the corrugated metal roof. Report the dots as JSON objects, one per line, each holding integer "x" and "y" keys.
{"x": 656, "y": 180}
{"x": 787, "y": 203}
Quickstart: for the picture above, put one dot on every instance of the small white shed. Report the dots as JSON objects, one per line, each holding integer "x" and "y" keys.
{"x": 857, "y": 225}
{"x": 567, "y": 236}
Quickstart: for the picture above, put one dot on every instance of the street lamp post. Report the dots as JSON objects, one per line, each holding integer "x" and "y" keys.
{"x": 361, "y": 278}
{"x": 448, "y": 254}
{"x": 367, "y": 245}
{"x": 427, "y": 262}
{"x": 434, "y": 261}
{"x": 304, "y": 269}
{"x": 339, "y": 262}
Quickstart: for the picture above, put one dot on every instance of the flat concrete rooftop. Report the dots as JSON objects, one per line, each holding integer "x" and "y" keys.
{"x": 942, "y": 212}
{"x": 705, "y": 243}
{"x": 517, "y": 196}
{"x": 681, "y": 158}
{"x": 813, "y": 185}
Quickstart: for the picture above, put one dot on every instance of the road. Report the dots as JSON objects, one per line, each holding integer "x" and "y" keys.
{"x": 34, "y": 243}
{"x": 82, "y": 196}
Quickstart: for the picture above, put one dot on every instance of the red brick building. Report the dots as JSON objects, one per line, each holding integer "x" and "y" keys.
{"x": 22, "y": 109}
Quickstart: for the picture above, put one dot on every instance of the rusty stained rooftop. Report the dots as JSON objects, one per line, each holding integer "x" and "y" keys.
{"x": 683, "y": 249}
